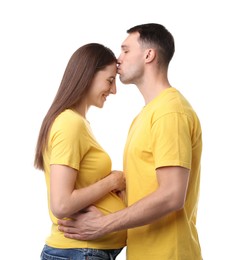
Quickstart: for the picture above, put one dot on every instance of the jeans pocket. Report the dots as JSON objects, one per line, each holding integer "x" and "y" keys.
{"x": 45, "y": 256}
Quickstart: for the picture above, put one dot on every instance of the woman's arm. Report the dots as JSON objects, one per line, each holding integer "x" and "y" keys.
{"x": 169, "y": 197}
{"x": 65, "y": 200}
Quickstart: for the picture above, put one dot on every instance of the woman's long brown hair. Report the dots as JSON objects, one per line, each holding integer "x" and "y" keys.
{"x": 76, "y": 81}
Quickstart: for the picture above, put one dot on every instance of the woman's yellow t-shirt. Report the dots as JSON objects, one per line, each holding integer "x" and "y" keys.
{"x": 72, "y": 143}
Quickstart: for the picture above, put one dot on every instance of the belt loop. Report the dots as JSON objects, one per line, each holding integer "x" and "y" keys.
{"x": 111, "y": 257}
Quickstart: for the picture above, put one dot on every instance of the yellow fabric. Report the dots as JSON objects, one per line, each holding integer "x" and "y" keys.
{"x": 72, "y": 143}
{"x": 167, "y": 132}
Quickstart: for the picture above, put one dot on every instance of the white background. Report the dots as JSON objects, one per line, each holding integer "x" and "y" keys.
{"x": 37, "y": 40}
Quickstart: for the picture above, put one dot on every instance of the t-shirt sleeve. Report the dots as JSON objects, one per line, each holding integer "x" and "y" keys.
{"x": 67, "y": 144}
{"x": 171, "y": 141}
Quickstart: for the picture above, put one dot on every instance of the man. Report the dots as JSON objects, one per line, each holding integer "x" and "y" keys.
{"x": 161, "y": 159}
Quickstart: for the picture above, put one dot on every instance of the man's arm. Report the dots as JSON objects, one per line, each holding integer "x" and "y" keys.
{"x": 170, "y": 196}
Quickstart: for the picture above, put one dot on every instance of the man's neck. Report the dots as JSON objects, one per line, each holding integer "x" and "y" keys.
{"x": 150, "y": 92}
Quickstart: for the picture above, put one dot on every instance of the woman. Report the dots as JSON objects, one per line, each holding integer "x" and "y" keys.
{"x": 77, "y": 169}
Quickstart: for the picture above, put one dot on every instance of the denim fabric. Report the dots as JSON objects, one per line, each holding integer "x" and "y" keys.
{"x": 50, "y": 253}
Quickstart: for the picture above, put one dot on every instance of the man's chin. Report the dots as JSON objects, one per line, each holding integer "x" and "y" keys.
{"x": 123, "y": 80}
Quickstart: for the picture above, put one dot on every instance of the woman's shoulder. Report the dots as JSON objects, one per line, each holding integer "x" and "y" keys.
{"x": 69, "y": 119}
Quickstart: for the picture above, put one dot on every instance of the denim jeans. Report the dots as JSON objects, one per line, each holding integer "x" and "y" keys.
{"x": 50, "y": 253}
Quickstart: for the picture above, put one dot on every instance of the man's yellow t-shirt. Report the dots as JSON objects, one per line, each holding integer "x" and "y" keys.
{"x": 167, "y": 132}
{"x": 72, "y": 143}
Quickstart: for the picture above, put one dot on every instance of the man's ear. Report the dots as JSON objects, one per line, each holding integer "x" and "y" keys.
{"x": 150, "y": 55}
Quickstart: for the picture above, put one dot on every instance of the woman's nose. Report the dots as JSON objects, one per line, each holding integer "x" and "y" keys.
{"x": 113, "y": 89}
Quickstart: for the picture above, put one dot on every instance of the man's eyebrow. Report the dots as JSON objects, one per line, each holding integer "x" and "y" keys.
{"x": 124, "y": 46}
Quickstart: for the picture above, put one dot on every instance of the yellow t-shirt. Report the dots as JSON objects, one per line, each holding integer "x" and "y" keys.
{"x": 72, "y": 143}
{"x": 167, "y": 132}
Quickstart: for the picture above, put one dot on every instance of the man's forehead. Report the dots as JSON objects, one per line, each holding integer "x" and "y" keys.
{"x": 132, "y": 39}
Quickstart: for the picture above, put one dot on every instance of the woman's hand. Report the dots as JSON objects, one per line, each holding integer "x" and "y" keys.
{"x": 118, "y": 180}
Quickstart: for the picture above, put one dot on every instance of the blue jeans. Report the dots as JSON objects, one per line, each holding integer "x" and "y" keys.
{"x": 50, "y": 253}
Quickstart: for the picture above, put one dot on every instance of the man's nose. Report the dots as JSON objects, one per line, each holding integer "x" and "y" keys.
{"x": 119, "y": 60}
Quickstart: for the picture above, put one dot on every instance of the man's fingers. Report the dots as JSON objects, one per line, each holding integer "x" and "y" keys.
{"x": 66, "y": 222}
{"x": 73, "y": 236}
{"x": 82, "y": 226}
{"x": 67, "y": 229}
{"x": 70, "y": 232}
{"x": 93, "y": 209}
